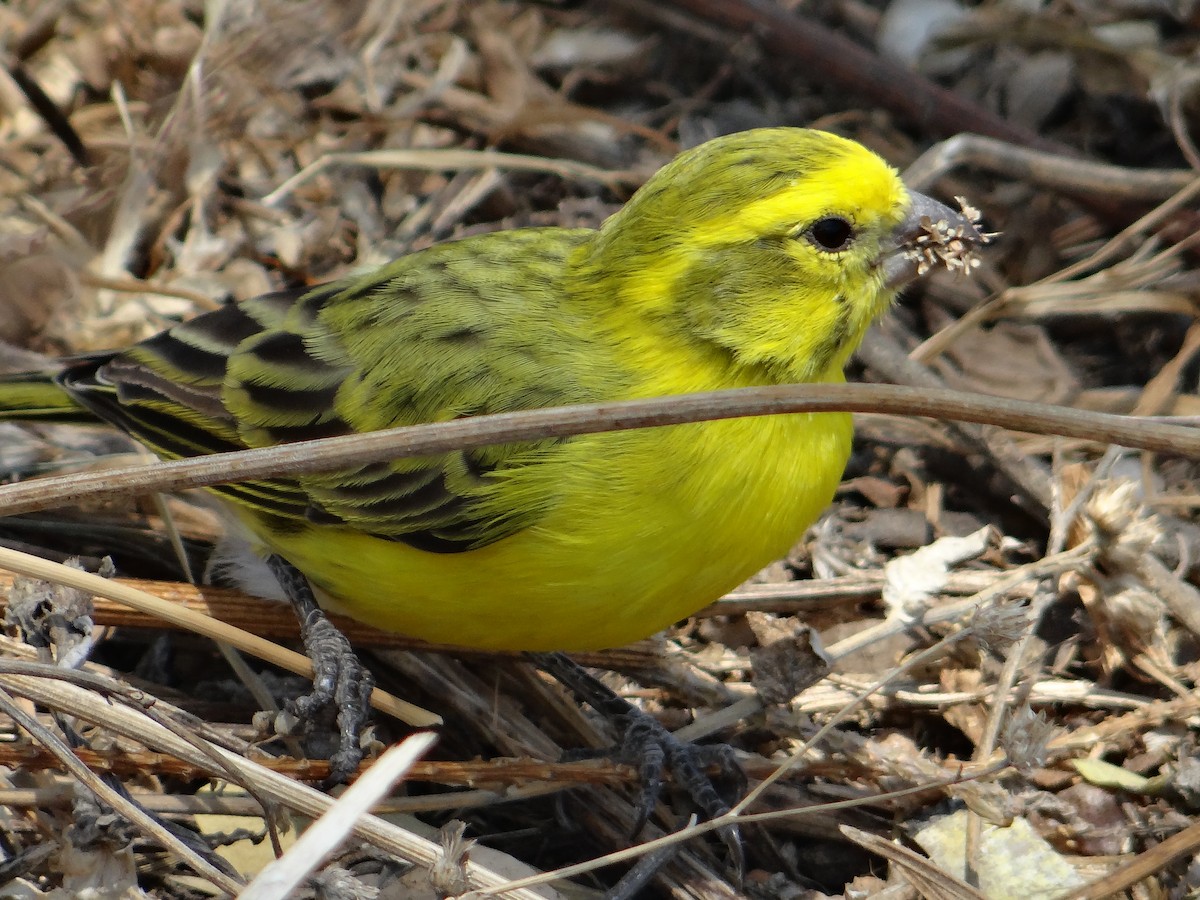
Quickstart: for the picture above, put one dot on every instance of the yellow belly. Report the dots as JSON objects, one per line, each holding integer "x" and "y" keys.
{"x": 649, "y": 527}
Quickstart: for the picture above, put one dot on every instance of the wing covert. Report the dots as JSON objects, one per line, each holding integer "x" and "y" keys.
{"x": 448, "y": 332}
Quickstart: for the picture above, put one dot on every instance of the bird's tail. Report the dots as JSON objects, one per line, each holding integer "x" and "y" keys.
{"x": 36, "y": 396}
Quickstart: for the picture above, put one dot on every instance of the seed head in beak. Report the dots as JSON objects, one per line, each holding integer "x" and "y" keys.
{"x": 932, "y": 234}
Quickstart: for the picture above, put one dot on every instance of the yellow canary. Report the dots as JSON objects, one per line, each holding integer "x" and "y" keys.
{"x": 755, "y": 259}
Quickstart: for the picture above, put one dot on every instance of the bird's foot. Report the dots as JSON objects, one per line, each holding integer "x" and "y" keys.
{"x": 340, "y": 700}
{"x": 653, "y": 750}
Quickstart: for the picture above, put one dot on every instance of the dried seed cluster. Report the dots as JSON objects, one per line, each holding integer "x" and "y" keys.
{"x": 952, "y": 246}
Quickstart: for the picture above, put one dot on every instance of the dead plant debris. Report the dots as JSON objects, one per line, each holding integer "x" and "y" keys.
{"x": 1023, "y": 688}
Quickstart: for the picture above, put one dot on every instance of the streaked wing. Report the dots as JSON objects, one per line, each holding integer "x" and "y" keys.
{"x": 168, "y": 393}
{"x": 429, "y": 338}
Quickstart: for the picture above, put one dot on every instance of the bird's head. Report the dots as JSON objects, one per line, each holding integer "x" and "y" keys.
{"x": 779, "y": 246}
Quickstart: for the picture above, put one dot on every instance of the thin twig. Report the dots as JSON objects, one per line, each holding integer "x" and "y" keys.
{"x": 283, "y": 875}
{"x": 306, "y": 457}
{"x": 191, "y": 620}
{"x": 448, "y": 161}
{"x": 111, "y": 798}
{"x": 280, "y": 788}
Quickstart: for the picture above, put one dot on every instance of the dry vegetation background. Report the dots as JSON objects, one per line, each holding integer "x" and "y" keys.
{"x": 1022, "y": 693}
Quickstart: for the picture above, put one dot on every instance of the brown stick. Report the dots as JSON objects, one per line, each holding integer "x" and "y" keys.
{"x": 837, "y": 60}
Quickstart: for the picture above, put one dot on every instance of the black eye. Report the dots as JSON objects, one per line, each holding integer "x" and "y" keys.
{"x": 831, "y": 233}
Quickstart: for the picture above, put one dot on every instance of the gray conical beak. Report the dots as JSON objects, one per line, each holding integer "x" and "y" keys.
{"x": 932, "y": 234}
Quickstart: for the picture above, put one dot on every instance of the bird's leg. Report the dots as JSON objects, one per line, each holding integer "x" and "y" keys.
{"x": 341, "y": 684}
{"x": 652, "y": 748}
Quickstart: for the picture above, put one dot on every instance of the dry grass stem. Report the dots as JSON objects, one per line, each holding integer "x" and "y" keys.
{"x": 994, "y": 631}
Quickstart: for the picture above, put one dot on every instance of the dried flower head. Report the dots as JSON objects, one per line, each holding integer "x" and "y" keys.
{"x": 1121, "y": 522}
{"x": 997, "y": 625}
{"x": 952, "y": 245}
{"x": 1026, "y": 738}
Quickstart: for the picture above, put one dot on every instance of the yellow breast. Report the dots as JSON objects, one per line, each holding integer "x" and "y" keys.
{"x": 649, "y": 526}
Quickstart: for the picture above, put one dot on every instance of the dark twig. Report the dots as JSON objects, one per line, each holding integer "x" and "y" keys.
{"x": 305, "y": 457}
{"x": 842, "y": 63}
